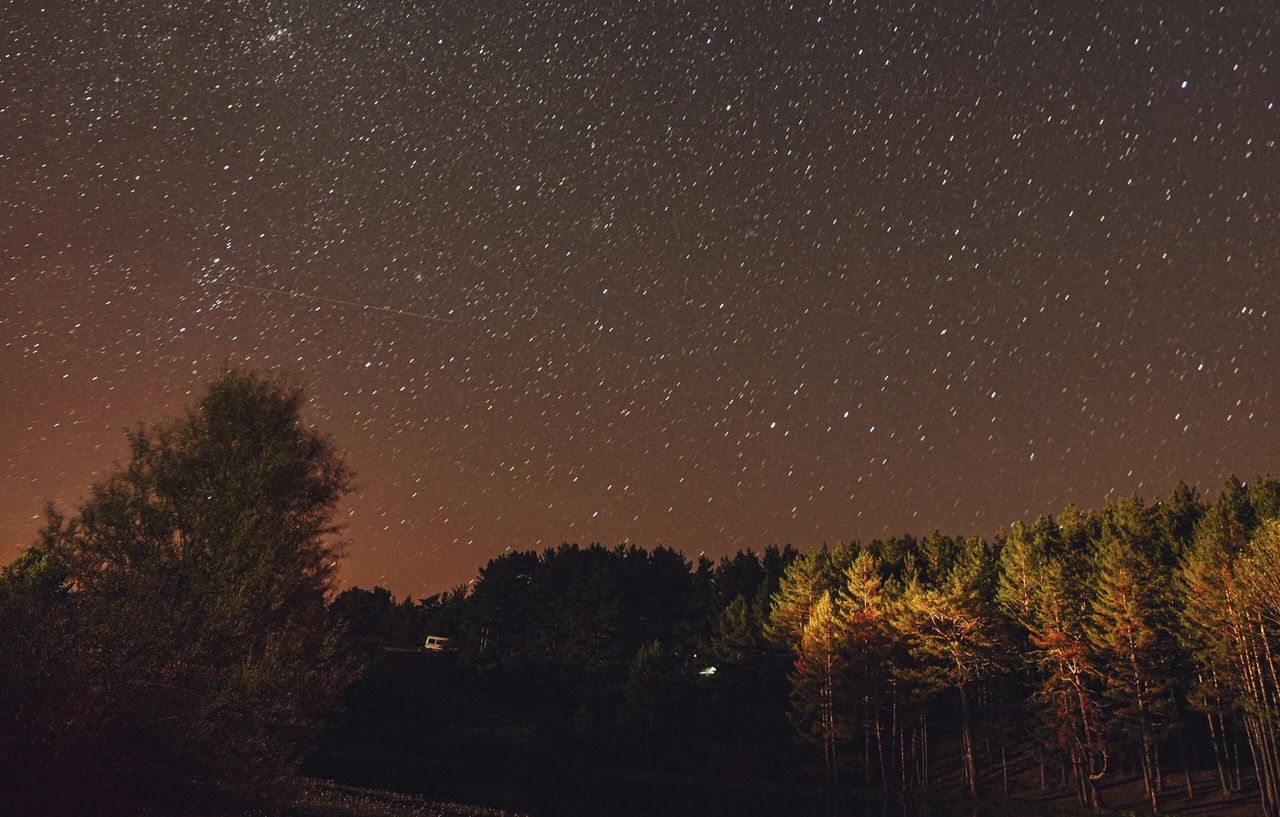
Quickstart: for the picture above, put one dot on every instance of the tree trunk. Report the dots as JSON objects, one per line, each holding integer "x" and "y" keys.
{"x": 1147, "y": 775}
{"x": 829, "y": 715}
{"x": 902, "y": 760}
{"x": 1044, "y": 784}
{"x": 1235, "y": 754}
{"x": 967, "y": 741}
{"x": 1155, "y": 755}
{"x": 1186, "y": 766}
{"x": 924, "y": 748}
{"x": 1004, "y": 768}
{"x": 1216, "y": 738}
{"x": 884, "y": 777}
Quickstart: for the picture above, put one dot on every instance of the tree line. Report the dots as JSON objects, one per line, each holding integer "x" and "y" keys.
{"x": 179, "y": 635}
{"x": 1140, "y": 637}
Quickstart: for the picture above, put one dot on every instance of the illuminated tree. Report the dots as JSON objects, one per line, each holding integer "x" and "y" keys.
{"x": 868, "y": 645}
{"x": 806, "y": 618}
{"x": 803, "y": 582}
{"x": 1043, "y": 588}
{"x": 1230, "y": 624}
{"x": 952, "y": 629}
{"x": 1211, "y": 617}
{"x": 1131, "y": 631}
{"x": 816, "y": 693}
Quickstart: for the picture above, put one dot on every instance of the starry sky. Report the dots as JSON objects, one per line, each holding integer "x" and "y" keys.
{"x": 701, "y": 275}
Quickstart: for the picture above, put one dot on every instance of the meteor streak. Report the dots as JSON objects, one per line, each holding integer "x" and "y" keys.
{"x": 383, "y": 309}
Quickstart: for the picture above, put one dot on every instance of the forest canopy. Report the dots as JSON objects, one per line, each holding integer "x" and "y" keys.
{"x": 1140, "y": 638}
{"x": 179, "y": 632}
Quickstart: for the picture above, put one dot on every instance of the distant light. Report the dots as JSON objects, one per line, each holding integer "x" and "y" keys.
{"x": 708, "y": 672}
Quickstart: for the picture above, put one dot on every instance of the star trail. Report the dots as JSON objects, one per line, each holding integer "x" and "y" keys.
{"x": 702, "y": 275}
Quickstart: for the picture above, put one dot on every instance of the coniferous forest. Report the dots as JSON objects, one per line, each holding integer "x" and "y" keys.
{"x": 180, "y": 637}
{"x": 1135, "y": 640}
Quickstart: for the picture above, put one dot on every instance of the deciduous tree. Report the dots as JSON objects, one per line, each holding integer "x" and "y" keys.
{"x": 196, "y": 579}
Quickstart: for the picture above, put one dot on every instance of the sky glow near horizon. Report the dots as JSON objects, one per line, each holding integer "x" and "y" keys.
{"x": 706, "y": 276}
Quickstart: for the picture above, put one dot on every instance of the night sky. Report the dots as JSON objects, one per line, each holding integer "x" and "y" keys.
{"x": 667, "y": 273}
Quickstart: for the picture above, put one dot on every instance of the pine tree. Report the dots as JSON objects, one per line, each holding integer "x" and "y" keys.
{"x": 869, "y": 647}
{"x": 1178, "y": 516}
{"x": 817, "y": 697}
{"x": 803, "y": 582}
{"x": 1260, "y": 585}
{"x": 952, "y": 628}
{"x": 1131, "y": 634}
{"x": 737, "y": 637}
{"x": 1230, "y": 636}
{"x": 1043, "y": 588}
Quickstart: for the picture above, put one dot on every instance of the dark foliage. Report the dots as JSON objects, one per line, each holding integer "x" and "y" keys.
{"x": 175, "y": 636}
{"x": 172, "y": 636}
{"x": 1137, "y": 639}
{"x": 588, "y": 656}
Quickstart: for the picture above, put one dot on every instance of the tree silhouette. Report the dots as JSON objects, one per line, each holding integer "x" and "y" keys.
{"x": 196, "y": 579}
